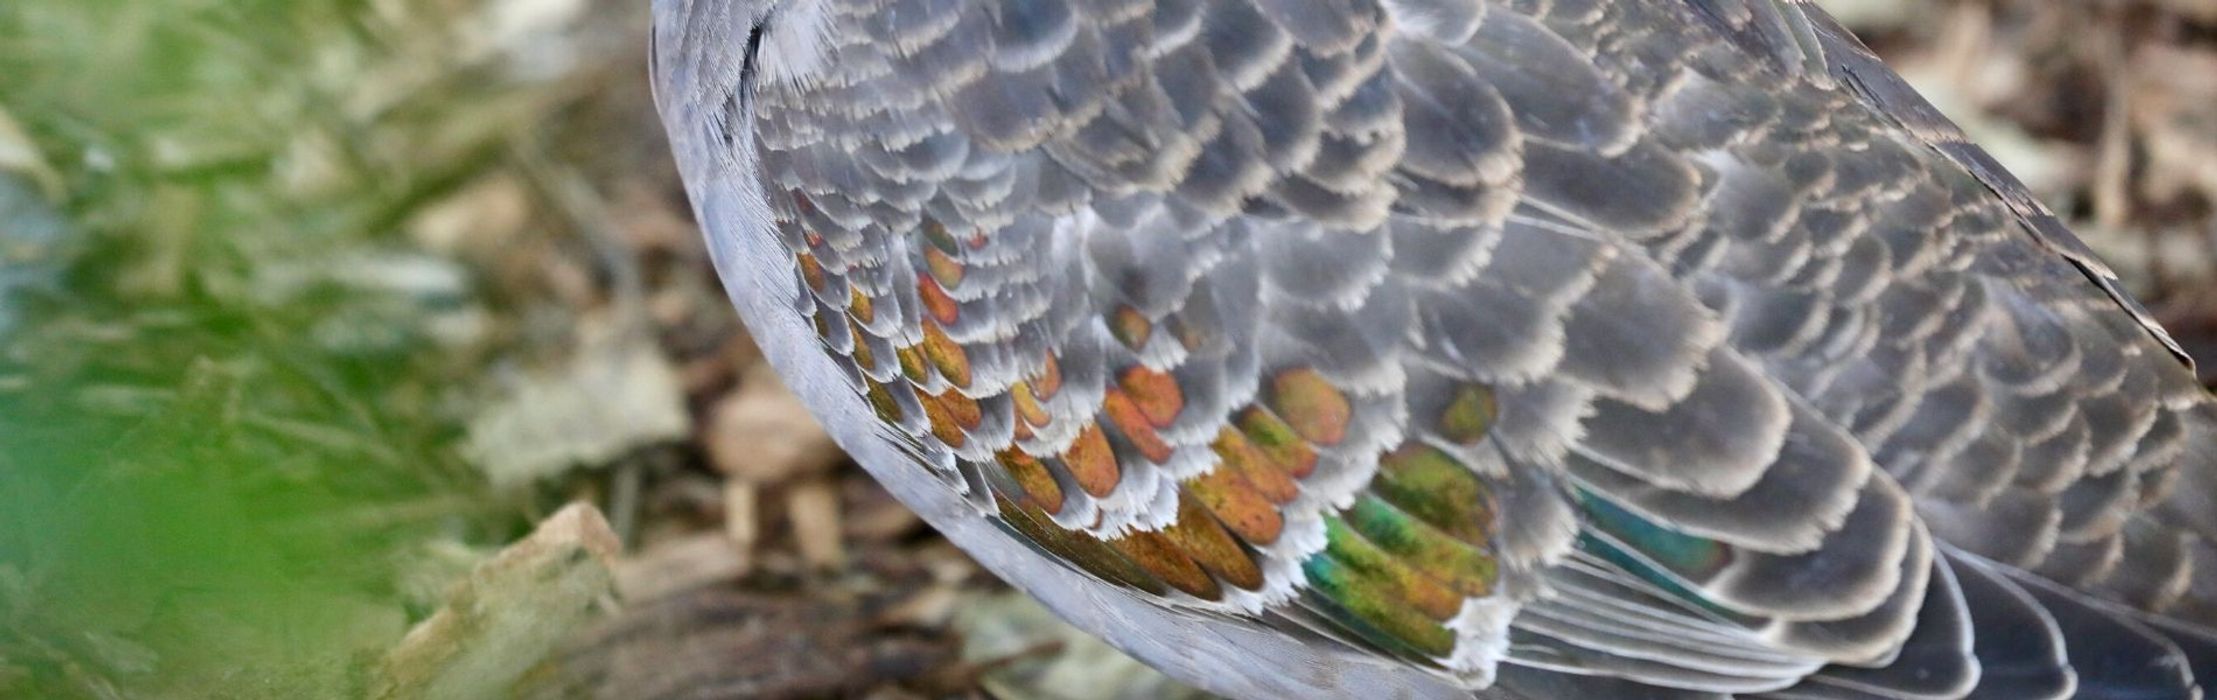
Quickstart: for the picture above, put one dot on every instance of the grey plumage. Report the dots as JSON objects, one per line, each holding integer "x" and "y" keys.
{"x": 1523, "y": 347}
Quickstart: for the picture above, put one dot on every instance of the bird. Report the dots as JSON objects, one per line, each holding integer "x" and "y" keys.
{"x": 1459, "y": 348}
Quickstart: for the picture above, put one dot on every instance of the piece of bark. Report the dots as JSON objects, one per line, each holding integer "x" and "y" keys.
{"x": 677, "y": 566}
{"x": 507, "y": 614}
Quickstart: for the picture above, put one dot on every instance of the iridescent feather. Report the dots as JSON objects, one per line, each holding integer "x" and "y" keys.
{"x": 1528, "y": 348}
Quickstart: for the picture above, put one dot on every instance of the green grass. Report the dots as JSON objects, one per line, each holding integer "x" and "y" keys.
{"x": 231, "y": 424}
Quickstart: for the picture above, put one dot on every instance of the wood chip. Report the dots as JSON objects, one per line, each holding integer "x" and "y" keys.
{"x": 506, "y": 616}
{"x": 677, "y": 566}
{"x": 813, "y": 508}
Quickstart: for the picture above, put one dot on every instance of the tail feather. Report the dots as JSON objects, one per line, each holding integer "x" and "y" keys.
{"x": 2115, "y": 653}
{"x": 2021, "y": 651}
{"x": 1936, "y": 663}
{"x": 2198, "y": 645}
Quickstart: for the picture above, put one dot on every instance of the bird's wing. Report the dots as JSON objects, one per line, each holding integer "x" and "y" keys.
{"x": 1822, "y": 50}
{"x": 1564, "y": 334}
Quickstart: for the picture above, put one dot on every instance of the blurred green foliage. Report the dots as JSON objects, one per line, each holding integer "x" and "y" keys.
{"x": 227, "y": 420}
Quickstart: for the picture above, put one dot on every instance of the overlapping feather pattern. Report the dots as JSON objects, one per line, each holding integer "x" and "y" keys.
{"x": 1545, "y": 347}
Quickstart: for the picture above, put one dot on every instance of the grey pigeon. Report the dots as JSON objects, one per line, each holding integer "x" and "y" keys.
{"x": 1440, "y": 348}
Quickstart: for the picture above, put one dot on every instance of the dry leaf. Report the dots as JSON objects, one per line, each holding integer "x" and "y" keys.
{"x": 762, "y": 433}
{"x": 615, "y": 396}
